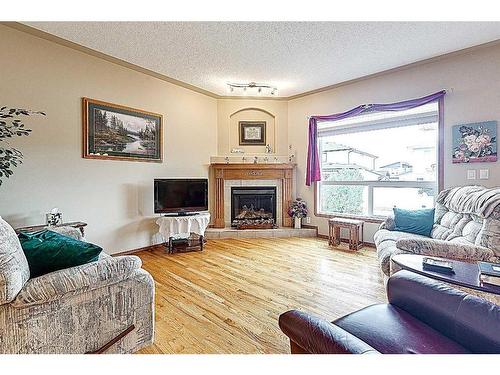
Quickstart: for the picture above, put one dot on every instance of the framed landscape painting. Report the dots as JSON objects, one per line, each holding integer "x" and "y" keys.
{"x": 252, "y": 133}
{"x": 116, "y": 132}
{"x": 475, "y": 143}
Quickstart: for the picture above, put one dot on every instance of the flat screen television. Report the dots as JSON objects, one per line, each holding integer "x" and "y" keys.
{"x": 180, "y": 196}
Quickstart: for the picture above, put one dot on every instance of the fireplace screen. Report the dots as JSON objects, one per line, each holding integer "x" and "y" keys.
{"x": 253, "y": 207}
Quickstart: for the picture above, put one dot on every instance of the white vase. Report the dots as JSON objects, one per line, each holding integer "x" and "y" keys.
{"x": 297, "y": 222}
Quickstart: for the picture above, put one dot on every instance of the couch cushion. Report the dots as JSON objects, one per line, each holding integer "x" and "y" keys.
{"x": 446, "y": 249}
{"x": 490, "y": 233}
{"x": 445, "y": 227}
{"x": 414, "y": 221}
{"x": 48, "y": 251}
{"x": 396, "y": 332}
{"x": 463, "y": 228}
{"x": 384, "y": 235}
{"x": 385, "y": 241}
{"x": 14, "y": 270}
{"x": 474, "y": 200}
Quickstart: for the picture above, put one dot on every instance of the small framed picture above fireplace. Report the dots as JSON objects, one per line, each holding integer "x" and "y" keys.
{"x": 252, "y": 133}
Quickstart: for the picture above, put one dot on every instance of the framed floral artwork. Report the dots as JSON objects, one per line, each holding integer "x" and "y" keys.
{"x": 475, "y": 143}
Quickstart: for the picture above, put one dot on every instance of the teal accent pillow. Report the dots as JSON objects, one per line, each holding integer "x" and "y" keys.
{"x": 48, "y": 251}
{"x": 414, "y": 221}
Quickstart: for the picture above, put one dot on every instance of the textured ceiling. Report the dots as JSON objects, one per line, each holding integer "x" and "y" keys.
{"x": 296, "y": 57}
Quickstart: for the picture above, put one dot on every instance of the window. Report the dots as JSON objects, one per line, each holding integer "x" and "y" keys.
{"x": 380, "y": 160}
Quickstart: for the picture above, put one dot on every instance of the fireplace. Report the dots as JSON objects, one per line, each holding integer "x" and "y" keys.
{"x": 253, "y": 207}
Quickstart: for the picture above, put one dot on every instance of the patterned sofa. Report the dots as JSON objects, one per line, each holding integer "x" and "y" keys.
{"x": 75, "y": 310}
{"x": 466, "y": 227}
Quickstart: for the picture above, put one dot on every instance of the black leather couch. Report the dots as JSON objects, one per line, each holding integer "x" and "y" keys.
{"x": 422, "y": 316}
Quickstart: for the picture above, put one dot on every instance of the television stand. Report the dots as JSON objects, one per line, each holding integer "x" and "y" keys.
{"x": 172, "y": 228}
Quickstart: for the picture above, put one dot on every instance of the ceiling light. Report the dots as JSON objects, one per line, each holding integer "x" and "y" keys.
{"x": 252, "y": 88}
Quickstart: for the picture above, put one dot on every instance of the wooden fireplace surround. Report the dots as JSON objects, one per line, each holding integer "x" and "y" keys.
{"x": 221, "y": 172}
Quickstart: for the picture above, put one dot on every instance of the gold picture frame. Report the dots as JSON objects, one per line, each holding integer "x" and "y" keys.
{"x": 117, "y": 132}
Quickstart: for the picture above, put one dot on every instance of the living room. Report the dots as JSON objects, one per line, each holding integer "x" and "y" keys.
{"x": 216, "y": 205}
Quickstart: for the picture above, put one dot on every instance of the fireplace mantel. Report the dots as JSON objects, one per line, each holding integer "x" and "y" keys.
{"x": 221, "y": 172}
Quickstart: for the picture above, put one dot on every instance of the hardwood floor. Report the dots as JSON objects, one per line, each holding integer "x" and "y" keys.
{"x": 227, "y": 299}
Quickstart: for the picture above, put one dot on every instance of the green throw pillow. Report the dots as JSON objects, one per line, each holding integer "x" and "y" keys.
{"x": 414, "y": 221}
{"x": 48, "y": 251}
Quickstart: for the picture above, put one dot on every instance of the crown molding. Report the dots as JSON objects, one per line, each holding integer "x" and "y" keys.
{"x": 399, "y": 68}
{"x": 89, "y": 51}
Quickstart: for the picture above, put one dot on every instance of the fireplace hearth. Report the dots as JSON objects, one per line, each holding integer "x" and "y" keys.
{"x": 253, "y": 207}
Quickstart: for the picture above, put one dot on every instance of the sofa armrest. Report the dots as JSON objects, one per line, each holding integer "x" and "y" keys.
{"x": 445, "y": 249}
{"x": 75, "y": 280}
{"x": 388, "y": 224}
{"x": 316, "y": 336}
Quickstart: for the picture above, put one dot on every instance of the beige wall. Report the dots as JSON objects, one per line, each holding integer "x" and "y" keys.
{"x": 474, "y": 77}
{"x": 114, "y": 197}
{"x": 231, "y": 111}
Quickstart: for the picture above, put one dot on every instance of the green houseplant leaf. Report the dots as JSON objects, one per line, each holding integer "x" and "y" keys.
{"x": 12, "y": 125}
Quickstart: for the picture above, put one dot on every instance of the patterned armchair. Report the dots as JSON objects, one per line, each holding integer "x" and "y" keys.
{"x": 466, "y": 227}
{"x": 106, "y": 305}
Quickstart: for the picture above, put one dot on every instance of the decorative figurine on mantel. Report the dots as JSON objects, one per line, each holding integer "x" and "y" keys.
{"x": 298, "y": 210}
{"x": 291, "y": 154}
{"x": 226, "y": 159}
{"x": 255, "y": 159}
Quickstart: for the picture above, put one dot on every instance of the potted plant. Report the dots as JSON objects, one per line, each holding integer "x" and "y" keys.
{"x": 11, "y": 124}
{"x": 298, "y": 210}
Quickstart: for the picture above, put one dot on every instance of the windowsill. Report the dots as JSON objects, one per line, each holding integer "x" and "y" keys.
{"x": 367, "y": 219}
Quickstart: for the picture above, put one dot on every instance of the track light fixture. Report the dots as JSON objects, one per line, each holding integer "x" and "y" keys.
{"x": 252, "y": 88}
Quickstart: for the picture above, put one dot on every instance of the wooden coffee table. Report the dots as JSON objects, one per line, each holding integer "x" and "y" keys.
{"x": 465, "y": 274}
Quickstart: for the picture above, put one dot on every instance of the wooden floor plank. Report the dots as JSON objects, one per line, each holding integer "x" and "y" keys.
{"x": 227, "y": 299}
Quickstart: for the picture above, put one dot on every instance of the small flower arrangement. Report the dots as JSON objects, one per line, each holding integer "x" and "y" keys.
{"x": 298, "y": 209}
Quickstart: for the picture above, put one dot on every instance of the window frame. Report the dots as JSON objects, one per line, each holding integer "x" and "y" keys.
{"x": 400, "y": 184}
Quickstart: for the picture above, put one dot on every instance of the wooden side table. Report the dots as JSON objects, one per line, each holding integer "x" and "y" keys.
{"x": 354, "y": 226}
{"x": 75, "y": 224}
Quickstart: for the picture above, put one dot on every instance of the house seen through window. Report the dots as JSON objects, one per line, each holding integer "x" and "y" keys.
{"x": 377, "y": 161}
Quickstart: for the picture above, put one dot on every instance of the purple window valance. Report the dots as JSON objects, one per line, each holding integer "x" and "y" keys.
{"x": 313, "y": 172}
